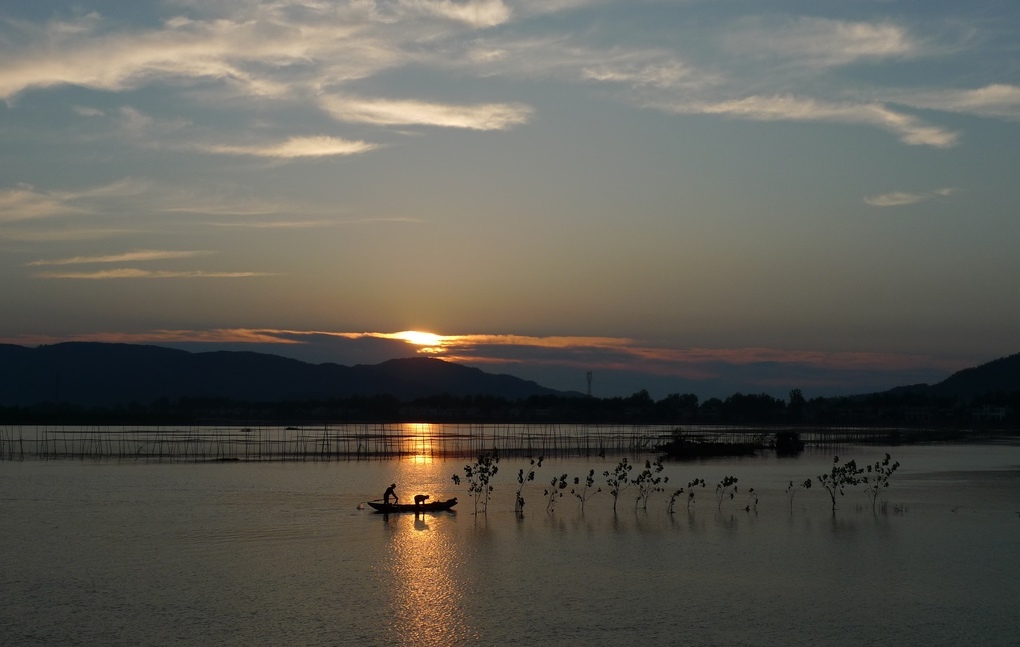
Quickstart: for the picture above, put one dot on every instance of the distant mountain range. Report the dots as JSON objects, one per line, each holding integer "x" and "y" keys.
{"x": 1002, "y": 374}
{"x": 998, "y": 376}
{"x": 99, "y": 374}
{"x": 102, "y": 375}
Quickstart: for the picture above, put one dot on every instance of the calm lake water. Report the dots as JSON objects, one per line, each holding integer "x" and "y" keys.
{"x": 130, "y": 553}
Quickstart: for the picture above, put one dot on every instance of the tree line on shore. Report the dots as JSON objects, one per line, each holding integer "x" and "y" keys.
{"x": 899, "y": 408}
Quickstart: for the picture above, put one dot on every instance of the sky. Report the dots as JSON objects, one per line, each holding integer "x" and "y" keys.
{"x": 681, "y": 196}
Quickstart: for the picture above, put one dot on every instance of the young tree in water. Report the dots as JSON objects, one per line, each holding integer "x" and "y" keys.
{"x": 838, "y": 478}
{"x": 725, "y": 489}
{"x": 752, "y": 501}
{"x": 582, "y": 492}
{"x": 618, "y": 480}
{"x": 877, "y": 477}
{"x": 691, "y": 485}
{"x": 523, "y": 478}
{"x": 648, "y": 482}
{"x": 478, "y": 476}
{"x": 791, "y": 490}
{"x": 555, "y": 491}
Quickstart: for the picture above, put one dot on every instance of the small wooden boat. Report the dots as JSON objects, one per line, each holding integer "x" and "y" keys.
{"x": 433, "y": 506}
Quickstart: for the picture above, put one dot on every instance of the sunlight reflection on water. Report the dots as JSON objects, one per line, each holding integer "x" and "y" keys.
{"x": 426, "y": 598}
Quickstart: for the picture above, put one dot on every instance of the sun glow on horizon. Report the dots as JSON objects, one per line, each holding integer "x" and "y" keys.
{"x": 419, "y": 338}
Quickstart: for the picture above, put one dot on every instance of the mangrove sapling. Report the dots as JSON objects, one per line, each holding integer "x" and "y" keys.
{"x": 648, "y": 482}
{"x": 752, "y": 501}
{"x": 791, "y": 490}
{"x": 523, "y": 478}
{"x": 690, "y": 490}
{"x": 583, "y": 492}
{"x": 555, "y": 491}
{"x": 670, "y": 507}
{"x": 478, "y": 476}
{"x": 618, "y": 480}
{"x": 725, "y": 489}
{"x": 839, "y": 477}
{"x": 877, "y": 478}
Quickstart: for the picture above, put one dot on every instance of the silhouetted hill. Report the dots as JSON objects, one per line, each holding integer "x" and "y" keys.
{"x": 1001, "y": 375}
{"x": 98, "y": 374}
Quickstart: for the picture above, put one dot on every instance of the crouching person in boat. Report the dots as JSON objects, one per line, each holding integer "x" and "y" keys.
{"x": 390, "y": 492}
{"x": 419, "y": 501}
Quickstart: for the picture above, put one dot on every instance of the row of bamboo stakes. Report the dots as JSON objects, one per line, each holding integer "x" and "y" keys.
{"x": 385, "y": 441}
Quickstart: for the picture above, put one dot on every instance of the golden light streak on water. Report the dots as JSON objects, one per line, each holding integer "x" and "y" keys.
{"x": 419, "y": 439}
{"x": 427, "y": 597}
{"x": 427, "y": 600}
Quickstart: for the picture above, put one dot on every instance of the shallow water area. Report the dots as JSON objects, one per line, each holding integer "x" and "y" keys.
{"x": 280, "y": 554}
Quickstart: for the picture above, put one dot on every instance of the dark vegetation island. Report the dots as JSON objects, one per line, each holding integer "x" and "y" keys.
{"x": 93, "y": 383}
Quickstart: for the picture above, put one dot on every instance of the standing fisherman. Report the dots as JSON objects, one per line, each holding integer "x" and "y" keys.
{"x": 390, "y": 493}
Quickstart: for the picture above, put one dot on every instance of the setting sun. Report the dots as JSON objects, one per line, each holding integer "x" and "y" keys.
{"x": 420, "y": 338}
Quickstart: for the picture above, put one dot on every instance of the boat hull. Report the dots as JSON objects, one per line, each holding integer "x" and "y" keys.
{"x": 434, "y": 506}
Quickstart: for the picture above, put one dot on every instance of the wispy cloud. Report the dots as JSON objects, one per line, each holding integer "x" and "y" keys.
{"x": 900, "y": 198}
{"x": 310, "y": 224}
{"x": 487, "y": 116}
{"x": 127, "y": 257}
{"x": 132, "y": 273}
{"x": 608, "y": 352}
{"x": 822, "y": 42}
{"x": 123, "y": 188}
{"x": 86, "y": 111}
{"x": 996, "y": 100}
{"x": 311, "y": 52}
{"x": 909, "y": 129}
{"x": 476, "y": 13}
{"x": 272, "y": 50}
{"x": 645, "y": 70}
{"x": 51, "y": 234}
{"x": 25, "y": 203}
{"x": 293, "y": 148}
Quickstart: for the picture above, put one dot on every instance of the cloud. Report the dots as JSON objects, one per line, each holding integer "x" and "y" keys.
{"x": 278, "y": 50}
{"x": 894, "y": 199}
{"x": 909, "y": 129}
{"x": 487, "y": 116}
{"x": 900, "y": 198}
{"x": 136, "y": 256}
{"x": 310, "y": 224}
{"x": 665, "y": 73}
{"x": 84, "y": 57}
{"x": 996, "y": 100}
{"x": 85, "y": 111}
{"x": 132, "y": 273}
{"x": 295, "y": 147}
{"x": 25, "y": 203}
{"x": 123, "y": 188}
{"x": 64, "y": 234}
{"x": 605, "y": 352}
{"x": 541, "y": 7}
{"x": 305, "y": 52}
{"x": 822, "y": 42}
{"x": 477, "y": 13}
